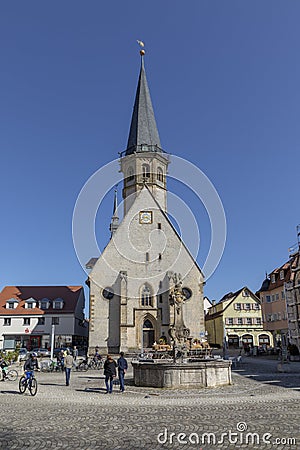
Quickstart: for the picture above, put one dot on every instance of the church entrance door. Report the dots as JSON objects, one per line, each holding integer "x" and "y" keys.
{"x": 148, "y": 334}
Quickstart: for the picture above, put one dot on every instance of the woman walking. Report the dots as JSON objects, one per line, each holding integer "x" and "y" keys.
{"x": 110, "y": 373}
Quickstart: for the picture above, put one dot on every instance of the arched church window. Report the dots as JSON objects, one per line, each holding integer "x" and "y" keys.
{"x": 146, "y": 298}
{"x": 148, "y": 324}
{"x": 146, "y": 170}
{"x": 130, "y": 174}
{"x": 160, "y": 175}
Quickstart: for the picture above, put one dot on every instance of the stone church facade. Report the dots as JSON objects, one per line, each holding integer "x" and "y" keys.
{"x": 130, "y": 283}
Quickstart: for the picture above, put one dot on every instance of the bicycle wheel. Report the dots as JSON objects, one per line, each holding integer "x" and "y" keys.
{"x": 92, "y": 365}
{"x": 22, "y": 384}
{"x": 12, "y": 375}
{"x": 33, "y": 386}
{"x": 83, "y": 367}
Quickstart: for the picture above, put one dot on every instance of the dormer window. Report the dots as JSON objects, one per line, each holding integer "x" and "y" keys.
{"x": 273, "y": 278}
{"x": 58, "y": 303}
{"x": 44, "y": 303}
{"x": 281, "y": 275}
{"x": 12, "y": 303}
{"x": 30, "y": 303}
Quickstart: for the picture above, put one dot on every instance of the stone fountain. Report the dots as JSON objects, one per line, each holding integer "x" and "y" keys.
{"x": 181, "y": 371}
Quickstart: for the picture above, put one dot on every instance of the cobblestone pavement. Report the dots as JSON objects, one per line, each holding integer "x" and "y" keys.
{"x": 81, "y": 416}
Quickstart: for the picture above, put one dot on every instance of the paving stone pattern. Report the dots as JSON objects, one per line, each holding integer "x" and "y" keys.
{"x": 83, "y": 416}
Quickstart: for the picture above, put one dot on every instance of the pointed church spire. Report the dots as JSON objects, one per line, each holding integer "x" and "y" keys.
{"x": 143, "y": 134}
{"x": 115, "y": 219}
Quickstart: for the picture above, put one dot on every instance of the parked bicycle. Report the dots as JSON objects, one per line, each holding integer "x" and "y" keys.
{"x": 91, "y": 364}
{"x": 29, "y": 381}
{"x": 95, "y": 364}
{"x": 51, "y": 366}
{"x": 83, "y": 366}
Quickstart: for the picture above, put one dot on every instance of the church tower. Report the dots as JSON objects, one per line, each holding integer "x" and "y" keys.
{"x": 130, "y": 283}
{"x": 144, "y": 161}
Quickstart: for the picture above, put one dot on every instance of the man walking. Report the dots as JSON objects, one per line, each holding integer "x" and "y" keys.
{"x": 122, "y": 367}
{"x": 110, "y": 373}
{"x": 69, "y": 361}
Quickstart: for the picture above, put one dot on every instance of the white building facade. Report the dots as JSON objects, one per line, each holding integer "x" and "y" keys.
{"x": 28, "y": 313}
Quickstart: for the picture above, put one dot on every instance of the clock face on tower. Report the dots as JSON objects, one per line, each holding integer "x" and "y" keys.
{"x": 145, "y": 216}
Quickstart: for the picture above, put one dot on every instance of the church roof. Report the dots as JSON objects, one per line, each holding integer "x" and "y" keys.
{"x": 143, "y": 134}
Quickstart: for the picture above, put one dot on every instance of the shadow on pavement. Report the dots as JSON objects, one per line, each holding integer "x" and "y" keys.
{"x": 92, "y": 389}
{"x": 9, "y": 392}
{"x": 266, "y": 372}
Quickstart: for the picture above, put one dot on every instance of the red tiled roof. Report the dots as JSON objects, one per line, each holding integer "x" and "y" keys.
{"x": 69, "y": 294}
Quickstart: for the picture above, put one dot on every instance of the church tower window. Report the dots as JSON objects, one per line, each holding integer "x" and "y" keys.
{"x": 146, "y": 171}
{"x": 146, "y": 297}
{"x": 160, "y": 175}
{"x": 130, "y": 174}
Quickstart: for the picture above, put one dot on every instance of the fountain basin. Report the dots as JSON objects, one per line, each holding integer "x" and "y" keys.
{"x": 184, "y": 375}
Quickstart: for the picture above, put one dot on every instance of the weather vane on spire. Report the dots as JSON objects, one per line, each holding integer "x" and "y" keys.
{"x": 142, "y": 45}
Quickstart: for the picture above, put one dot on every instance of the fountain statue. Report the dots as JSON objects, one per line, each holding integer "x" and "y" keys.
{"x": 178, "y": 332}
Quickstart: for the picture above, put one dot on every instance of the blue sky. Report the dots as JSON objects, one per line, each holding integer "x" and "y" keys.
{"x": 224, "y": 79}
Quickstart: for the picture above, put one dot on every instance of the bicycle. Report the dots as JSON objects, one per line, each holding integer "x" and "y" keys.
{"x": 95, "y": 365}
{"x": 83, "y": 366}
{"x": 28, "y": 381}
{"x": 10, "y": 375}
{"x": 51, "y": 366}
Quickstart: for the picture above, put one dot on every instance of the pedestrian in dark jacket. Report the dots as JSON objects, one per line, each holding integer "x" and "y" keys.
{"x": 110, "y": 373}
{"x": 122, "y": 367}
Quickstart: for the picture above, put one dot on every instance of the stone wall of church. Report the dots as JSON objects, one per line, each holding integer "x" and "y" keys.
{"x": 141, "y": 254}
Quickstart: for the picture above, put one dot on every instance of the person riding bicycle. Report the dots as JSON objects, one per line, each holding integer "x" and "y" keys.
{"x": 30, "y": 365}
{"x": 4, "y": 365}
